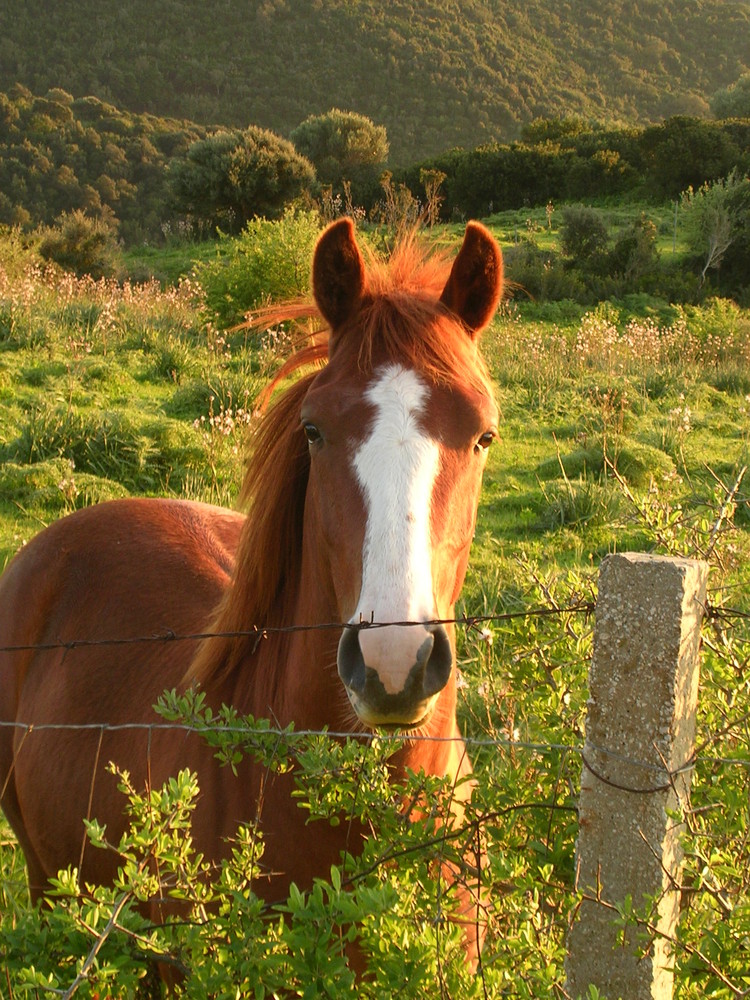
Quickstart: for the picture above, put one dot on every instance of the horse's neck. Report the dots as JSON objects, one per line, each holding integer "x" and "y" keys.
{"x": 290, "y": 674}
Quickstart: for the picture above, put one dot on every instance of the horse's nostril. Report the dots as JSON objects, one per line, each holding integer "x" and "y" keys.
{"x": 439, "y": 663}
{"x": 350, "y": 662}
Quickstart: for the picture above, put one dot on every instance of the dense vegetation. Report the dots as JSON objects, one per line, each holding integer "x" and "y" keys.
{"x": 436, "y": 75}
{"x": 624, "y": 426}
{"x": 565, "y": 159}
{"x": 64, "y": 161}
{"x": 58, "y": 154}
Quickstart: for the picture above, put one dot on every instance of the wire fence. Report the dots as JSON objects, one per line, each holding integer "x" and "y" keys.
{"x": 723, "y": 615}
{"x": 659, "y": 777}
{"x": 262, "y": 632}
{"x": 719, "y": 614}
{"x": 397, "y": 739}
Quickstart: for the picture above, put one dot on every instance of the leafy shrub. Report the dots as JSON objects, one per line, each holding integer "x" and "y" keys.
{"x": 230, "y": 177}
{"x": 583, "y": 234}
{"x": 82, "y": 245}
{"x": 535, "y": 273}
{"x": 242, "y": 948}
{"x": 342, "y": 145}
{"x": 269, "y": 260}
{"x": 17, "y": 252}
{"x": 634, "y": 255}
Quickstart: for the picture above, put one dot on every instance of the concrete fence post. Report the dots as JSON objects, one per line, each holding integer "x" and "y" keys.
{"x": 640, "y": 736}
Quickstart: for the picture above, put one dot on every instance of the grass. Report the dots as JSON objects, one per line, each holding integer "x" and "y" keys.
{"x": 623, "y": 427}
{"x": 514, "y": 224}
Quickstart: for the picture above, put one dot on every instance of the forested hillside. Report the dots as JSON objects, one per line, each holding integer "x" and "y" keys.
{"x": 436, "y": 74}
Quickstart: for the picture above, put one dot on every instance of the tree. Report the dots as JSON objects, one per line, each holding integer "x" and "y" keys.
{"x": 342, "y": 145}
{"x": 732, "y": 101}
{"x": 715, "y": 216}
{"x": 81, "y": 244}
{"x": 682, "y": 152}
{"x": 231, "y": 177}
{"x": 432, "y": 181}
{"x": 583, "y": 233}
{"x": 634, "y": 255}
{"x": 542, "y": 130}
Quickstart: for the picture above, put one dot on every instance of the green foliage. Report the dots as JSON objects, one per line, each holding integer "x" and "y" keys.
{"x": 82, "y": 245}
{"x": 231, "y": 177}
{"x": 342, "y": 145}
{"x": 586, "y": 162}
{"x": 224, "y": 938}
{"x": 268, "y": 260}
{"x": 634, "y": 255}
{"x": 151, "y": 178}
{"x": 716, "y": 217}
{"x": 59, "y": 155}
{"x": 437, "y": 77}
{"x": 583, "y": 235}
{"x": 685, "y": 152}
{"x": 732, "y": 101}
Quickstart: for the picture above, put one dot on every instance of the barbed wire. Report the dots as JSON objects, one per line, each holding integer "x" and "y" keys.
{"x": 262, "y": 632}
{"x": 473, "y": 742}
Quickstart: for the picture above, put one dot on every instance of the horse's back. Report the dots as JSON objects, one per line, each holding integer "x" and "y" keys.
{"x": 115, "y": 570}
{"x": 130, "y": 570}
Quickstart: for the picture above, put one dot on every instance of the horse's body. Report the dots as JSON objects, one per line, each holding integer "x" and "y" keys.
{"x": 363, "y": 490}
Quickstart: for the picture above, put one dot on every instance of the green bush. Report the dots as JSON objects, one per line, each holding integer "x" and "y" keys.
{"x": 583, "y": 234}
{"x": 634, "y": 255}
{"x": 342, "y": 145}
{"x": 230, "y": 177}
{"x": 269, "y": 260}
{"x": 539, "y": 274}
{"x": 82, "y": 245}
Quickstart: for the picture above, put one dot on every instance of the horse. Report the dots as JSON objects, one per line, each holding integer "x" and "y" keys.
{"x": 360, "y": 497}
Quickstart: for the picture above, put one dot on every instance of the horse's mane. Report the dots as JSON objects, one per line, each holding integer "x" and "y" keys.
{"x": 401, "y": 319}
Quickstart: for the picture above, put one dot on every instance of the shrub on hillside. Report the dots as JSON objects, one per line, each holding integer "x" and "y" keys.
{"x": 82, "y": 245}
{"x": 231, "y": 177}
{"x": 269, "y": 260}
{"x": 583, "y": 234}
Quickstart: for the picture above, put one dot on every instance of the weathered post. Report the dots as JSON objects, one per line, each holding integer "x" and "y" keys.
{"x": 640, "y": 736}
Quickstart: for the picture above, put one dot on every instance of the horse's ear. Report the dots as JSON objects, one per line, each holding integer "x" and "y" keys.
{"x": 475, "y": 283}
{"x": 338, "y": 274}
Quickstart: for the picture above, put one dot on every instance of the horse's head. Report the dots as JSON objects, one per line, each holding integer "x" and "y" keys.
{"x": 398, "y": 426}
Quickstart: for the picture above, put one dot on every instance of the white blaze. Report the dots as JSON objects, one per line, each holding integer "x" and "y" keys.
{"x": 396, "y": 467}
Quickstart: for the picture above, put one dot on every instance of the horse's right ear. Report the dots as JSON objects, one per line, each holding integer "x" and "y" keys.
{"x": 338, "y": 273}
{"x": 475, "y": 284}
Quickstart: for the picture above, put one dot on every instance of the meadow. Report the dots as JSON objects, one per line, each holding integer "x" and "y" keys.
{"x": 624, "y": 426}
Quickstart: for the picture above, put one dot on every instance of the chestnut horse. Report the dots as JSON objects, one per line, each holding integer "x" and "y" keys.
{"x": 362, "y": 494}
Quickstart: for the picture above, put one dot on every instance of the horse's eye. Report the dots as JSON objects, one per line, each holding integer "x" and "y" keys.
{"x": 311, "y": 433}
{"x": 485, "y": 441}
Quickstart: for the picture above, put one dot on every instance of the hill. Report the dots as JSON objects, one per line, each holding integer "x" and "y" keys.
{"x": 437, "y": 74}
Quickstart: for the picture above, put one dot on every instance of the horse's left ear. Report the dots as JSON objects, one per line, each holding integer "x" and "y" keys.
{"x": 475, "y": 283}
{"x": 338, "y": 273}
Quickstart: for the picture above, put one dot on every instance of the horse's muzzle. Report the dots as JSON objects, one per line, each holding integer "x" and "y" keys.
{"x": 380, "y": 693}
